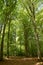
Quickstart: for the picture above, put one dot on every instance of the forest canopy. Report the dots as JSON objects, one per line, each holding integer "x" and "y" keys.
{"x": 21, "y": 28}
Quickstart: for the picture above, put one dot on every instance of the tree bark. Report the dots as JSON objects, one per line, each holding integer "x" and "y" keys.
{"x": 2, "y": 42}
{"x": 36, "y": 33}
{"x": 26, "y": 42}
{"x": 8, "y": 40}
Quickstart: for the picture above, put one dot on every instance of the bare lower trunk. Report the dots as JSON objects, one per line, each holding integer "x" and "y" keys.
{"x": 26, "y": 43}
{"x": 2, "y": 42}
{"x": 8, "y": 39}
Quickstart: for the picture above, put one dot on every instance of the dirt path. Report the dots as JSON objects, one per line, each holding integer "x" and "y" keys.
{"x": 21, "y": 61}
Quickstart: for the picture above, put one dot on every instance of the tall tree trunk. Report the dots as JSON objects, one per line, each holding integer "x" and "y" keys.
{"x": 8, "y": 39}
{"x": 35, "y": 30}
{"x": 2, "y": 42}
{"x": 15, "y": 41}
{"x": 26, "y": 42}
{"x": 37, "y": 41}
{"x": 1, "y": 28}
{"x": 32, "y": 17}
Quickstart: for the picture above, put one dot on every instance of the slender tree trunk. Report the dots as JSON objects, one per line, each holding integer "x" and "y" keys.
{"x": 32, "y": 17}
{"x": 35, "y": 30}
{"x": 1, "y": 29}
{"x": 26, "y": 42}
{"x": 20, "y": 46}
{"x": 8, "y": 39}
{"x": 15, "y": 41}
{"x": 38, "y": 43}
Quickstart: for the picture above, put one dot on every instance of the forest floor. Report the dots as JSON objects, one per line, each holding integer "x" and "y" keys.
{"x": 20, "y": 61}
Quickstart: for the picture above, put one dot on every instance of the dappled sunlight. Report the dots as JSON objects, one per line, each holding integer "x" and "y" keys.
{"x": 39, "y": 63}
{"x": 27, "y": 58}
{"x": 6, "y": 58}
{"x": 18, "y": 60}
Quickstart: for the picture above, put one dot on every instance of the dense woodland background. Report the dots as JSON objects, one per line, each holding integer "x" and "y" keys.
{"x": 21, "y": 28}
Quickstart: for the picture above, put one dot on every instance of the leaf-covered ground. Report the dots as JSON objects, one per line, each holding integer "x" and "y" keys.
{"x": 20, "y": 61}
